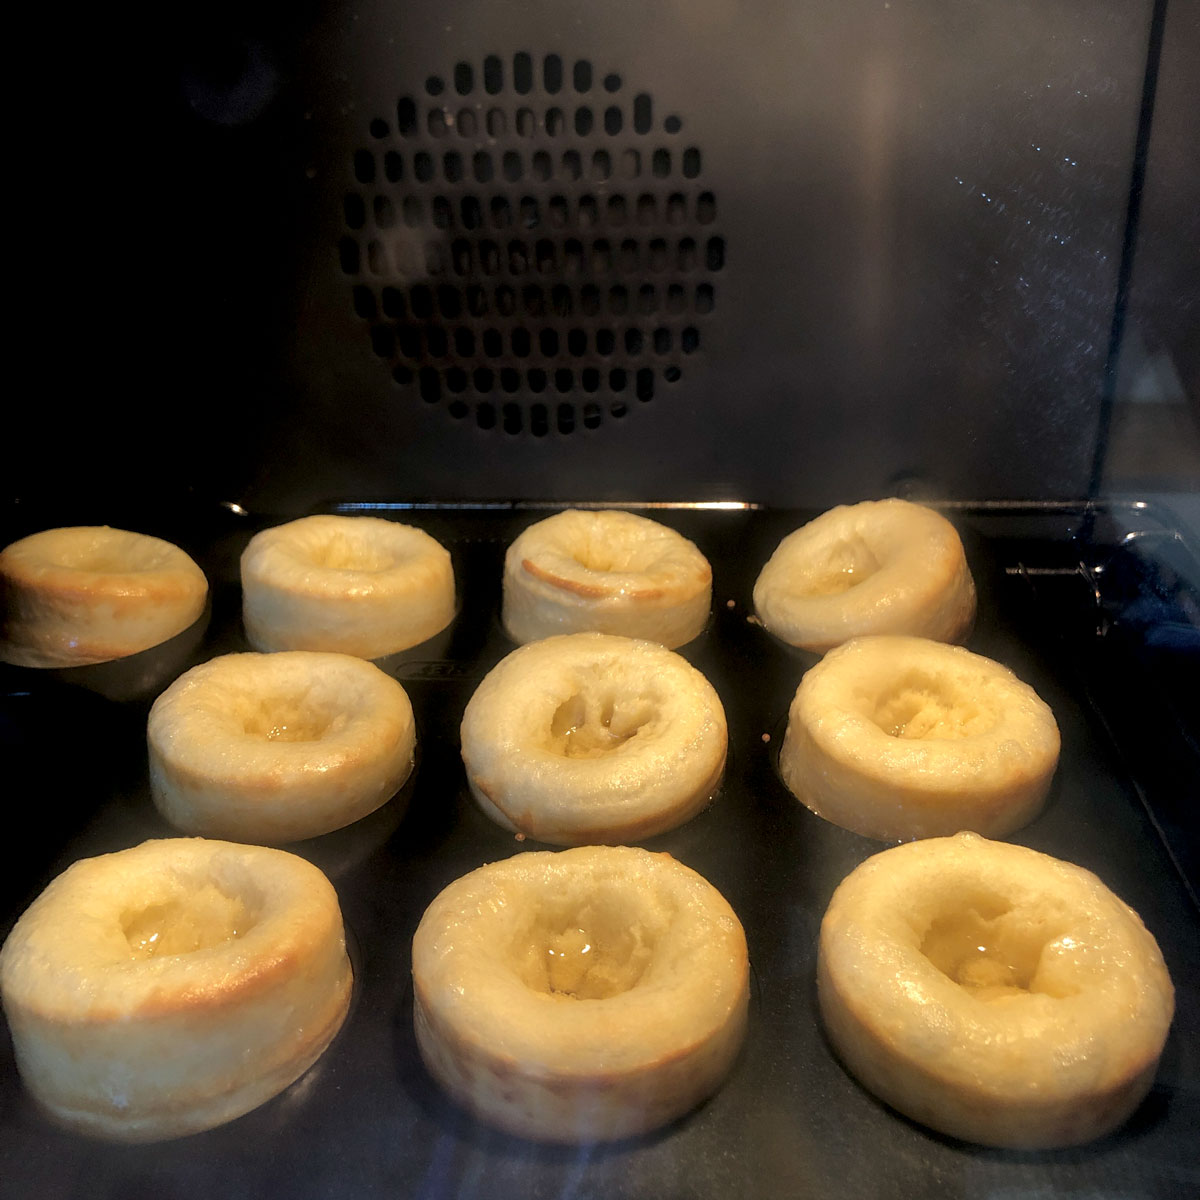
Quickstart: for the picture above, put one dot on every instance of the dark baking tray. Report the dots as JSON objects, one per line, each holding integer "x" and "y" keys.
{"x": 1096, "y": 607}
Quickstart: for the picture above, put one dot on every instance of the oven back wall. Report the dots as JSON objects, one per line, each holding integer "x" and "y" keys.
{"x": 790, "y": 252}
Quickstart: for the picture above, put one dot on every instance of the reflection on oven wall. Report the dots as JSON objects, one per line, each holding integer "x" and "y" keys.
{"x": 794, "y": 253}
{"x": 1154, "y": 438}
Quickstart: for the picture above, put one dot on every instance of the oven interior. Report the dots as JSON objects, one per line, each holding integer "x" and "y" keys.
{"x": 726, "y": 265}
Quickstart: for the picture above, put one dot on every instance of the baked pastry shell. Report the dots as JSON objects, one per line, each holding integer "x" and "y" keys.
{"x": 348, "y": 585}
{"x": 877, "y": 567}
{"x": 606, "y": 571}
{"x": 556, "y": 1067}
{"x": 1059, "y": 1064}
{"x": 143, "y": 1047}
{"x": 664, "y": 762}
{"x": 82, "y": 595}
{"x": 991, "y": 776}
{"x": 221, "y": 764}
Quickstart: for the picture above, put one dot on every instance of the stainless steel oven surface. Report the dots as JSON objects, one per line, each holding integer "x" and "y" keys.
{"x": 725, "y": 265}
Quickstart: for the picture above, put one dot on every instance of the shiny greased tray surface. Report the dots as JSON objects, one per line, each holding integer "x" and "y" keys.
{"x": 368, "y": 1121}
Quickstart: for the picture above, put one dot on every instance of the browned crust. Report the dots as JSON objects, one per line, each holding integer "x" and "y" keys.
{"x": 118, "y": 589}
{"x": 224, "y": 989}
{"x": 180, "y": 578}
{"x": 261, "y": 978}
{"x": 590, "y": 591}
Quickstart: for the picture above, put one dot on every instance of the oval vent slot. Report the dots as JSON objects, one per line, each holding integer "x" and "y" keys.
{"x": 531, "y": 246}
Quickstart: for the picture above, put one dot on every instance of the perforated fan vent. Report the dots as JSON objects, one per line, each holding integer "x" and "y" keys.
{"x": 531, "y": 248}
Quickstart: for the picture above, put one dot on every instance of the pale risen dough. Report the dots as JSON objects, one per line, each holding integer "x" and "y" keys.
{"x": 582, "y": 995}
{"x": 353, "y": 585}
{"x": 882, "y": 566}
{"x": 900, "y": 737}
{"x": 993, "y": 993}
{"x": 168, "y": 988}
{"x": 278, "y": 747}
{"x": 608, "y": 571}
{"x": 588, "y": 737}
{"x": 91, "y": 594}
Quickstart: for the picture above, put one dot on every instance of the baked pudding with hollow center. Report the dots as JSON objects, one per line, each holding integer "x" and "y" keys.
{"x": 168, "y": 988}
{"x": 588, "y": 738}
{"x": 605, "y": 571}
{"x": 878, "y": 567}
{"x": 581, "y": 995}
{"x": 901, "y": 737}
{"x": 278, "y": 747}
{"x": 349, "y": 585}
{"x": 91, "y": 594}
{"x": 993, "y": 993}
